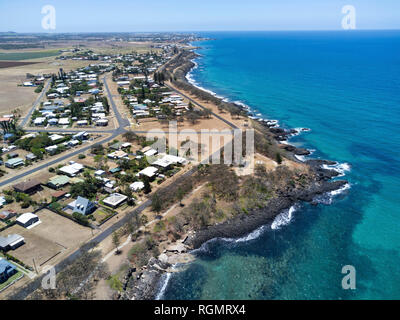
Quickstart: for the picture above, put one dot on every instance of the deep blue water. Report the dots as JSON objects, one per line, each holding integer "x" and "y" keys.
{"x": 345, "y": 87}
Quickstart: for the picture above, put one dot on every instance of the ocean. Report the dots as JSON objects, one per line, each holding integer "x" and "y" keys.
{"x": 345, "y": 87}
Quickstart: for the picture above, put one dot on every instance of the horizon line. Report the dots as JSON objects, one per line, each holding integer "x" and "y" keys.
{"x": 198, "y": 31}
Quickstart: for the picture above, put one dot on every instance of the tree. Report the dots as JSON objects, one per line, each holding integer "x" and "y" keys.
{"x": 156, "y": 204}
{"x": 192, "y": 117}
{"x": 180, "y": 194}
{"x": 116, "y": 242}
{"x": 278, "y": 158}
{"x": 147, "y": 186}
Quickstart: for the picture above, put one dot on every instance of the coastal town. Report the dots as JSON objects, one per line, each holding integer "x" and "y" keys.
{"x": 85, "y": 190}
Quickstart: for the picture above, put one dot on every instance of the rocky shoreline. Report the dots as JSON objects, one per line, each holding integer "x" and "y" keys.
{"x": 146, "y": 284}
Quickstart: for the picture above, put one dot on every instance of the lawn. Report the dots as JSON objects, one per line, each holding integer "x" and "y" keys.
{"x": 10, "y": 280}
{"x": 101, "y": 214}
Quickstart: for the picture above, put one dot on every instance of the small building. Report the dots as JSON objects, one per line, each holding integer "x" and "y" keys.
{"x": 30, "y": 157}
{"x": 82, "y": 123}
{"x": 56, "y": 137}
{"x": 72, "y": 170}
{"x": 7, "y": 270}
{"x": 115, "y": 200}
{"x": 14, "y": 163}
{"x": 58, "y": 194}
{"x": 83, "y": 135}
{"x": 99, "y": 173}
{"x": 63, "y": 121}
{"x": 51, "y": 149}
{"x": 115, "y": 170}
{"x": 117, "y": 155}
{"x": 11, "y": 242}
{"x": 102, "y": 122}
{"x": 29, "y": 186}
{"x": 27, "y": 219}
{"x": 39, "y": 121}
{"x": 149, "y": 172}
{"x": 150, "y": 152}
{"x": 137, "y": 186}
{"x": 7, "y": 214}
{"x": 58, "y": 182}
{"x": 82, "y": 205}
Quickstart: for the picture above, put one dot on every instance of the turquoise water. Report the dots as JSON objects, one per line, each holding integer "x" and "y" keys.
{"x": 345, "y": 87}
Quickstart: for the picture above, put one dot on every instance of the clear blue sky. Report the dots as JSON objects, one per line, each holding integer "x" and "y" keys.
{"x": 196, "y": 15}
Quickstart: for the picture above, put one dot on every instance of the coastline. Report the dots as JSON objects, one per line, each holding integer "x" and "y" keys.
{"x": 154, "y": 280}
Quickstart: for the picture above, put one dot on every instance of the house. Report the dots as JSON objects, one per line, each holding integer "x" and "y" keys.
{"x": 115, "y": 200}
{"x": 82, "y": 123}
{"x": 14, "y": 163}
{"x": 51, "y": 149}
{"x": 117, "y": 155}
{"x": 149, "y": 172}
{"x": 168, "y": 160}
{"x": 30, "y": 157}
{"x": 115, "y": 170}
{"x": 99, "y": 173}
{"x": 7, "y": 270}
{"x": 11, "y": 242}
{"x": 150, "y": 152}
{"x": 72, "y": 170}
{"x": 82, "y": 205}
{"x": 39, "y": 121}
{"x": 73, "y": 143}
{"x": 116, "y": 146}
{"x": 29, "y": 186}
{"x": 58, "y": 194}
{"x": 53, "y": 121}
{"x": 83, "y": 135}
{"x": 7, "y": 214}
{"x": 137, "y": 186}
{"x": 56, "y": 137}
{"x": 27, "y": 219}
{"x": 102, "y": 122}
{"x": 58, "y": 182}
{"x": 63, "y": 121}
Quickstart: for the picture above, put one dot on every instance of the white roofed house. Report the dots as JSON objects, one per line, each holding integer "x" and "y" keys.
{"x": 137, "y": 186}
{"x": 27, "y": 220}
{"x": 117, "y": 155}
{"x": 102, "y": 122}
{"x": 53, "y": 121}
{"x": 63, "y": 121}
{"x": 56, "y": 137}
{"x": 115, "y": 200}
{"x": 149, "y": 172}
{"x": 72, "y": 170}
{"x": 51, "y": 149}
{"x": 39, "y": 121}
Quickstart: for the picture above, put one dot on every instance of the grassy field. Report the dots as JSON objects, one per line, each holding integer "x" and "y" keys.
{"x": 28, "y": 55}
{"x": 10, "y": 280}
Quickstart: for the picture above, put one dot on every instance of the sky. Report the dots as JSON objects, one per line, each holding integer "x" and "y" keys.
{"x": 195, "y": 15}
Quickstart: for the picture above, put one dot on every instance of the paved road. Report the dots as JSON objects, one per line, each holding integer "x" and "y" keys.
{"x": 28, "y": 116}
{"x": 122, "y": 122}
{"x": 34, "y": 285}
